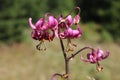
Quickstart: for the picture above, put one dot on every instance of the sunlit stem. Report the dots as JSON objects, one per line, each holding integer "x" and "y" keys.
{"x": 74, "y": 54}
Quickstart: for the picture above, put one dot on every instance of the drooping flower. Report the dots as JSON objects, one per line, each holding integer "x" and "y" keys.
{"x": 41, "y": 30}
{"x": 71, "y": 33}
{"x": 48, "y": 27}
{"x": 95, "y": 56}
{"x": 44, "y": 28}
{"x": 66, "y": 31}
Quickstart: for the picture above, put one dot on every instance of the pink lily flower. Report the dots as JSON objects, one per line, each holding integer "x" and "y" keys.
{"x": 43, "y": 27}
{"x": 94, "y": 57}
{"x": 71, "y": 33}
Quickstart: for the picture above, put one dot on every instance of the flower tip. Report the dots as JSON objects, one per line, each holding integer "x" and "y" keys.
{"x": 84, "y": 60}
{"x": 81, "y": 57}
{"x": 30, "y": 18}
{"x": 107, "y": 54}
{"x": 78, "y": 7}
{"x": 30, "y": 23}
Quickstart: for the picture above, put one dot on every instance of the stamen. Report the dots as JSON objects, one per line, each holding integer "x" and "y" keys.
{"x": 99, "y": 67}
{"x": 70, "y": 46}
{"x": 64, "y": 76}
{"x": 41, "y": 46}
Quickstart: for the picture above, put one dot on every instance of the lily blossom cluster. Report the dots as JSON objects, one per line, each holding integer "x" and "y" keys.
{"x": 95, "y": 56}
{"x": 49, "y": 26}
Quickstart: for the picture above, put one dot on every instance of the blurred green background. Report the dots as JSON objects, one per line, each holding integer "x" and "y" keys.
{"x": 100, "y": 23}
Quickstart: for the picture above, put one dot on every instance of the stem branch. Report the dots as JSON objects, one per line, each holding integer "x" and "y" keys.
{"x": 56, "y": 74}
{"x": 73, "y": 55}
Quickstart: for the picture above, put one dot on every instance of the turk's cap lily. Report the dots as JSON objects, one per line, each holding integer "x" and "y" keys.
{"x": 65, "y": 27}
{"x": 44, "y": 28}
{"x": 95, "y": 56}
{"x": 71, "y": 33}
{"x": 65, "y": 21}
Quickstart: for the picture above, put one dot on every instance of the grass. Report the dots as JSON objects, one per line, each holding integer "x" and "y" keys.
{"x": 24, "y": 62}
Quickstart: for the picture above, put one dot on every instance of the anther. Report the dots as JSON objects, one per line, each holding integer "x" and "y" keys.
{"x": 41, "y": 46}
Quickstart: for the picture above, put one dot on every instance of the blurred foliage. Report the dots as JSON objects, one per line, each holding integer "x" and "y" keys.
{"x": 14, "y": 16}
{"x": 105, "y": 12}
{"x": 60, "y": 6}
{"x": 15, "y": 13}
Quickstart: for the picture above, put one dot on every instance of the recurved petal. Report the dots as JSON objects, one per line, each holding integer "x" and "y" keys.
{"x": 35, "y": 35}
{"x": 79, "y": 29}
{"x": 76, "y": 19}
{"x": 76, "y": 33}
{"x": 100, "y": 53}
{"x": 107, "y": 54}
{"x": 52, "y": 22}
{"x": 31, "y": 24}
{"x": 69, "y": 20}
{"x": 89, "y": 56}
{"x": 69, "y": 32}
{"x": 83, "y": 59}
{"x": 39, "y": 23}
